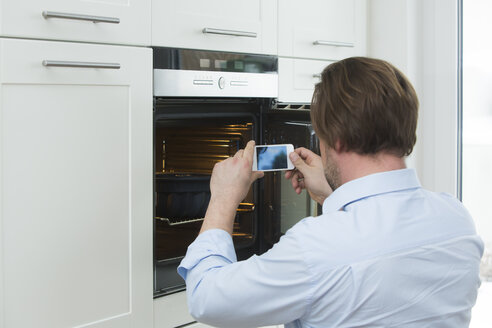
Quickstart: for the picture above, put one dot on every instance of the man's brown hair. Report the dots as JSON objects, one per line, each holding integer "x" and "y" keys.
{"x": 367, "y": 105}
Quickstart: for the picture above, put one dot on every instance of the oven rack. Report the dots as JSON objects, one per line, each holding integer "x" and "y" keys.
{"x": 243, "y": 208}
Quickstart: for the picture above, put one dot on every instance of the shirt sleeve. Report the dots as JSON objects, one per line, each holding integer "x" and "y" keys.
{"x": 273, "y": 288}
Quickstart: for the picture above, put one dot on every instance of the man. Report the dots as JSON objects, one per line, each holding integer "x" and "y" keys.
{"x": 384, "y": 253}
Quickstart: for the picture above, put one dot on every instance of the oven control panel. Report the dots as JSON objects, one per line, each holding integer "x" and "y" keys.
{"x": 187, "y": 83}
{"x": 222, "y": 82}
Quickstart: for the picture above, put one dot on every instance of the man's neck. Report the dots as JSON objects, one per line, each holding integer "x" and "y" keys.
{"x": 353, "y": 166}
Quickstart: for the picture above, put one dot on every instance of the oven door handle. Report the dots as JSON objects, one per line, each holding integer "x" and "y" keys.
{"x": 90, "y": 18}
{"x": 208, "y": 30}
{"x": 59, "y": 63}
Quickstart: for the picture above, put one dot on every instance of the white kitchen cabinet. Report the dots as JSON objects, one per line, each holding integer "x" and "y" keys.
{"x": 297, "y": 78}
{"x": 322, "y": 29}
{"x": 76, "y": 186}
{"x": 224, "y": 25}
{"x": 119, "y": 21}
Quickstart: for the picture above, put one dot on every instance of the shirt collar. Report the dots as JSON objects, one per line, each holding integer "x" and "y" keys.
{"x": 370, "y": 185}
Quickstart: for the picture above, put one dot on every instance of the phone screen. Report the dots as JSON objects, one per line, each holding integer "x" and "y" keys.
{"x": 271, "y": 157}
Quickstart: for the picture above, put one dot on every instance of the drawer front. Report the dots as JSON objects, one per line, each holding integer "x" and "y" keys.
{"x": 101, "y": 21}
{"x": 323, "y": 29}
{"x": 172, "y": 311}
{"x": 235, "y": 26}
{"x": 297, "y": 78}
{"x": 49, "y": 62}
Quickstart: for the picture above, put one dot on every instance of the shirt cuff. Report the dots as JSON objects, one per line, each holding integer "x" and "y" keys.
{"x": 213, "y": 242}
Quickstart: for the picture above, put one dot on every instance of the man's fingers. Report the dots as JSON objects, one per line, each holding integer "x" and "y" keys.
{"x": 298, "y": 176}
{"x": 296, "y": 179}
{"x": 249, "y": 150}
{"x": 300, "y": 150}
{"x": 302, "y": 185}
{"x": 289, "y": 174}
{"x": 257, "y": 175}
{"x": 296, "y": 160}
{"x": 307, "y": 155}
{"x": 294, "y": 183}
{"x": 239, "y": 153}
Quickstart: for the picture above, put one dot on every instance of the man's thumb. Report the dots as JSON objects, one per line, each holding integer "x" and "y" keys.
{"x": 257, "y": 175}
{"x": 296, "y": 159}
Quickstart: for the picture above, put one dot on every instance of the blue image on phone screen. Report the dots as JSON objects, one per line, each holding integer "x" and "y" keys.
{"x": 271, "y": 158}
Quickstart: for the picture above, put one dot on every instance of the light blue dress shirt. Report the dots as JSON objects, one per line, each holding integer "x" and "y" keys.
{"x": 384, "y": 253}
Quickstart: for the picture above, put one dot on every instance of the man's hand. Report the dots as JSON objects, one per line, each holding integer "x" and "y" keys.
{"x": 230, "y": 183}
{"x": 309, "y": 174}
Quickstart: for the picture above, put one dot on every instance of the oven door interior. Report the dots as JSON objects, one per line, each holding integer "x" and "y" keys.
{"x": 282, "y": 207}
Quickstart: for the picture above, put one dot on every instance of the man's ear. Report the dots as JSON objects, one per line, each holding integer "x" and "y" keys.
{"x": 338, "y": 146}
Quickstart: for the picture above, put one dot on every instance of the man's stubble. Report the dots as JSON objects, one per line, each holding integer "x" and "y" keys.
{"x": 332, "y": 172}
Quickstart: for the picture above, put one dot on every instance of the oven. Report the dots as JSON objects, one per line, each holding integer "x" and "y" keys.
{"x": 207, "y": 106}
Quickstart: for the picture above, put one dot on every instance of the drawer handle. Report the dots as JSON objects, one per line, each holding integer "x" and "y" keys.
{"x": 208, "y": 30}
{"x": 333, "y": 43}
{"x": 317, "y": 76}
{"x": 59, "y": 63}
{"x": 95, "y": 19}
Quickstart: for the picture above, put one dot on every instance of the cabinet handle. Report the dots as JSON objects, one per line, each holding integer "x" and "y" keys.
{"x": 59, "y": 63}
{"x": 91, "y": 18}
{"x": 318, "y": 76}
{"x": 208, "y": 30}
{"x": 333, "y": 43}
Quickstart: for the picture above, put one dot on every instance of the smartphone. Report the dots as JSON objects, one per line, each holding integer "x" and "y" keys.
{"x": 272, "y": 157}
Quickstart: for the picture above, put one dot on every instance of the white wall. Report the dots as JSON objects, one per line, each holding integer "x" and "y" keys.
{"x": 420, "y": 38}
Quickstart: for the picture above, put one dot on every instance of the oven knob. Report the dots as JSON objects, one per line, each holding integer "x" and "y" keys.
{"x": 222, "y": 82}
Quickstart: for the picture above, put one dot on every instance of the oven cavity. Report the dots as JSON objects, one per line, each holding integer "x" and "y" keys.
{"x": 185, "y": 152}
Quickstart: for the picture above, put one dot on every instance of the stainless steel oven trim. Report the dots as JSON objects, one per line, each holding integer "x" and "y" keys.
{"x": 188, "y": 83}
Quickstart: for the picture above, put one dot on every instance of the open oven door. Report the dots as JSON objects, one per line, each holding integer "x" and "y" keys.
{"x": 282, "y": 207}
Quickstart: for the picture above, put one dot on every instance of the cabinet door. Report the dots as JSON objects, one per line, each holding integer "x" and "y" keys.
{"x": 76, "y": 186}
{"x": 297, "y": 78}
{"x": 225, "y": 25}
{"x": 323, "y": 29}
{"x": 102, "y": 21}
